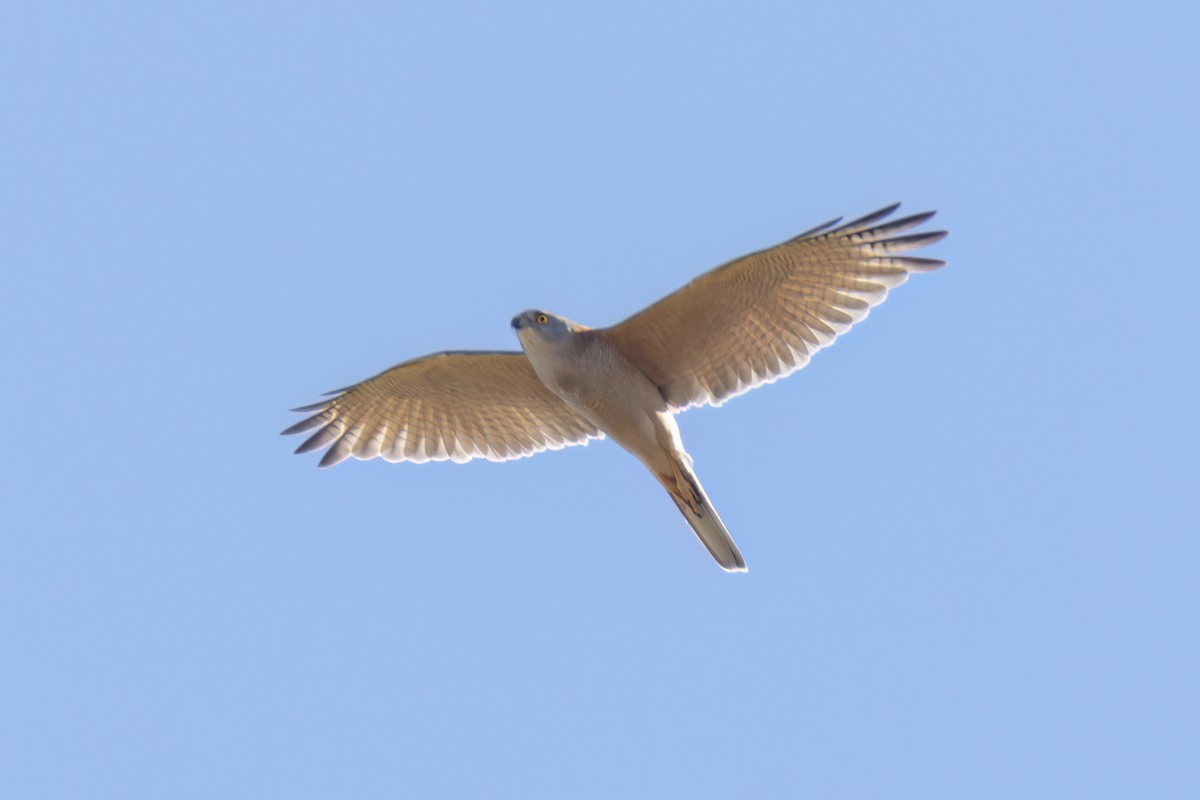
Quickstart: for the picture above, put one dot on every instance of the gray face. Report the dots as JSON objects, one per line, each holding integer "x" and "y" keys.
{"x": 541, "y": 324}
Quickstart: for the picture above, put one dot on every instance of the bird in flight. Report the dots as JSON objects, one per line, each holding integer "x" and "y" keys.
{"x": 743, "y": 324}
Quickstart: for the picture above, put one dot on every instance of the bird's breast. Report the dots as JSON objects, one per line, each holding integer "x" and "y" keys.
{"x": 602, "y": 385}
{"x": 590, "y": 374}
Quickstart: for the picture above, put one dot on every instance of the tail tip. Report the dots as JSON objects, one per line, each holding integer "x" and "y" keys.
{"x": 736, "y": 565}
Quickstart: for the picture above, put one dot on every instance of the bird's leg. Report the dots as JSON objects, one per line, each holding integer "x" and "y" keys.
{"x": 681, "y": 486}
{"x": 671, "y": 464}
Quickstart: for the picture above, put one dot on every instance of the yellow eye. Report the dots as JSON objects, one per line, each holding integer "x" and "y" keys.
{"x": 542, "y": 319}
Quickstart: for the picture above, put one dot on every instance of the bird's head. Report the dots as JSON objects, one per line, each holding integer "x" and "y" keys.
{"x": 542, "y": 326}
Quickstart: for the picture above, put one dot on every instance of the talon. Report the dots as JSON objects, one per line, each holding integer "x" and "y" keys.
{"x": 686, "y": 490}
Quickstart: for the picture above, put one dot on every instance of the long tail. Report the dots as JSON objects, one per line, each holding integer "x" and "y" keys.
{"x": 685, "y": 489}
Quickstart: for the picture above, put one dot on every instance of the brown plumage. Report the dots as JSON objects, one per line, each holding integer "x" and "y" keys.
{"x": 748, "y": 322}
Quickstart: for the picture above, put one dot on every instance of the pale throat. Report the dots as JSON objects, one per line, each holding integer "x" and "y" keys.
{"x": 555, "y": 362}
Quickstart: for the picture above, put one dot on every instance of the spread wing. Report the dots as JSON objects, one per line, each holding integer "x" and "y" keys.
{"x": 762, "y": 316}
{"x": 454, "y": 405}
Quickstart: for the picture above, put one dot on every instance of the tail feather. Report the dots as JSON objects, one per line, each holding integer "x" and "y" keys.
{"x": 685, "y": 489}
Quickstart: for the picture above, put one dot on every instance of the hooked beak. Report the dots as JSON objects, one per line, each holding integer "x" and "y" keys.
{"x": 516, "y": 323}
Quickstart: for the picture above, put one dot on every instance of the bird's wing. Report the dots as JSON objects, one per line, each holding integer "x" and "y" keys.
{"x": 454, "y": 405}
{"x": 762, "y": 316}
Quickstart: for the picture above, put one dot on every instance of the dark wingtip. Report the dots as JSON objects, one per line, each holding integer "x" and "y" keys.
{"x": 912, "y": 221}
{"x": 321, "y": 406}
{"x": 824, "y": 226}
{"x": 918, "y": 239}
{"x": 334, "y": 455}
{"x": 923, "y": 264}
{"x": 292, "y": 430}
{"x": 318, "y": 440}
{"x": 869, "y": 219}
{"x": 930, "y": 237}
{"x": 308, "y": 423}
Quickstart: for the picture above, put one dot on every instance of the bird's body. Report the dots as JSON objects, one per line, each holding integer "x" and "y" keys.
{"x": 611, "y": 393}
{"x": 746, "y": 323}
{"x": 593, "y": 376}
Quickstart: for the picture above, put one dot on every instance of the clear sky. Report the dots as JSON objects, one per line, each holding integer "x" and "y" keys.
{"x": 973, "y": 525}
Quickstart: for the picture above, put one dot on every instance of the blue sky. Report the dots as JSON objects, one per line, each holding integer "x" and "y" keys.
{"x": 971, "y": 525}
